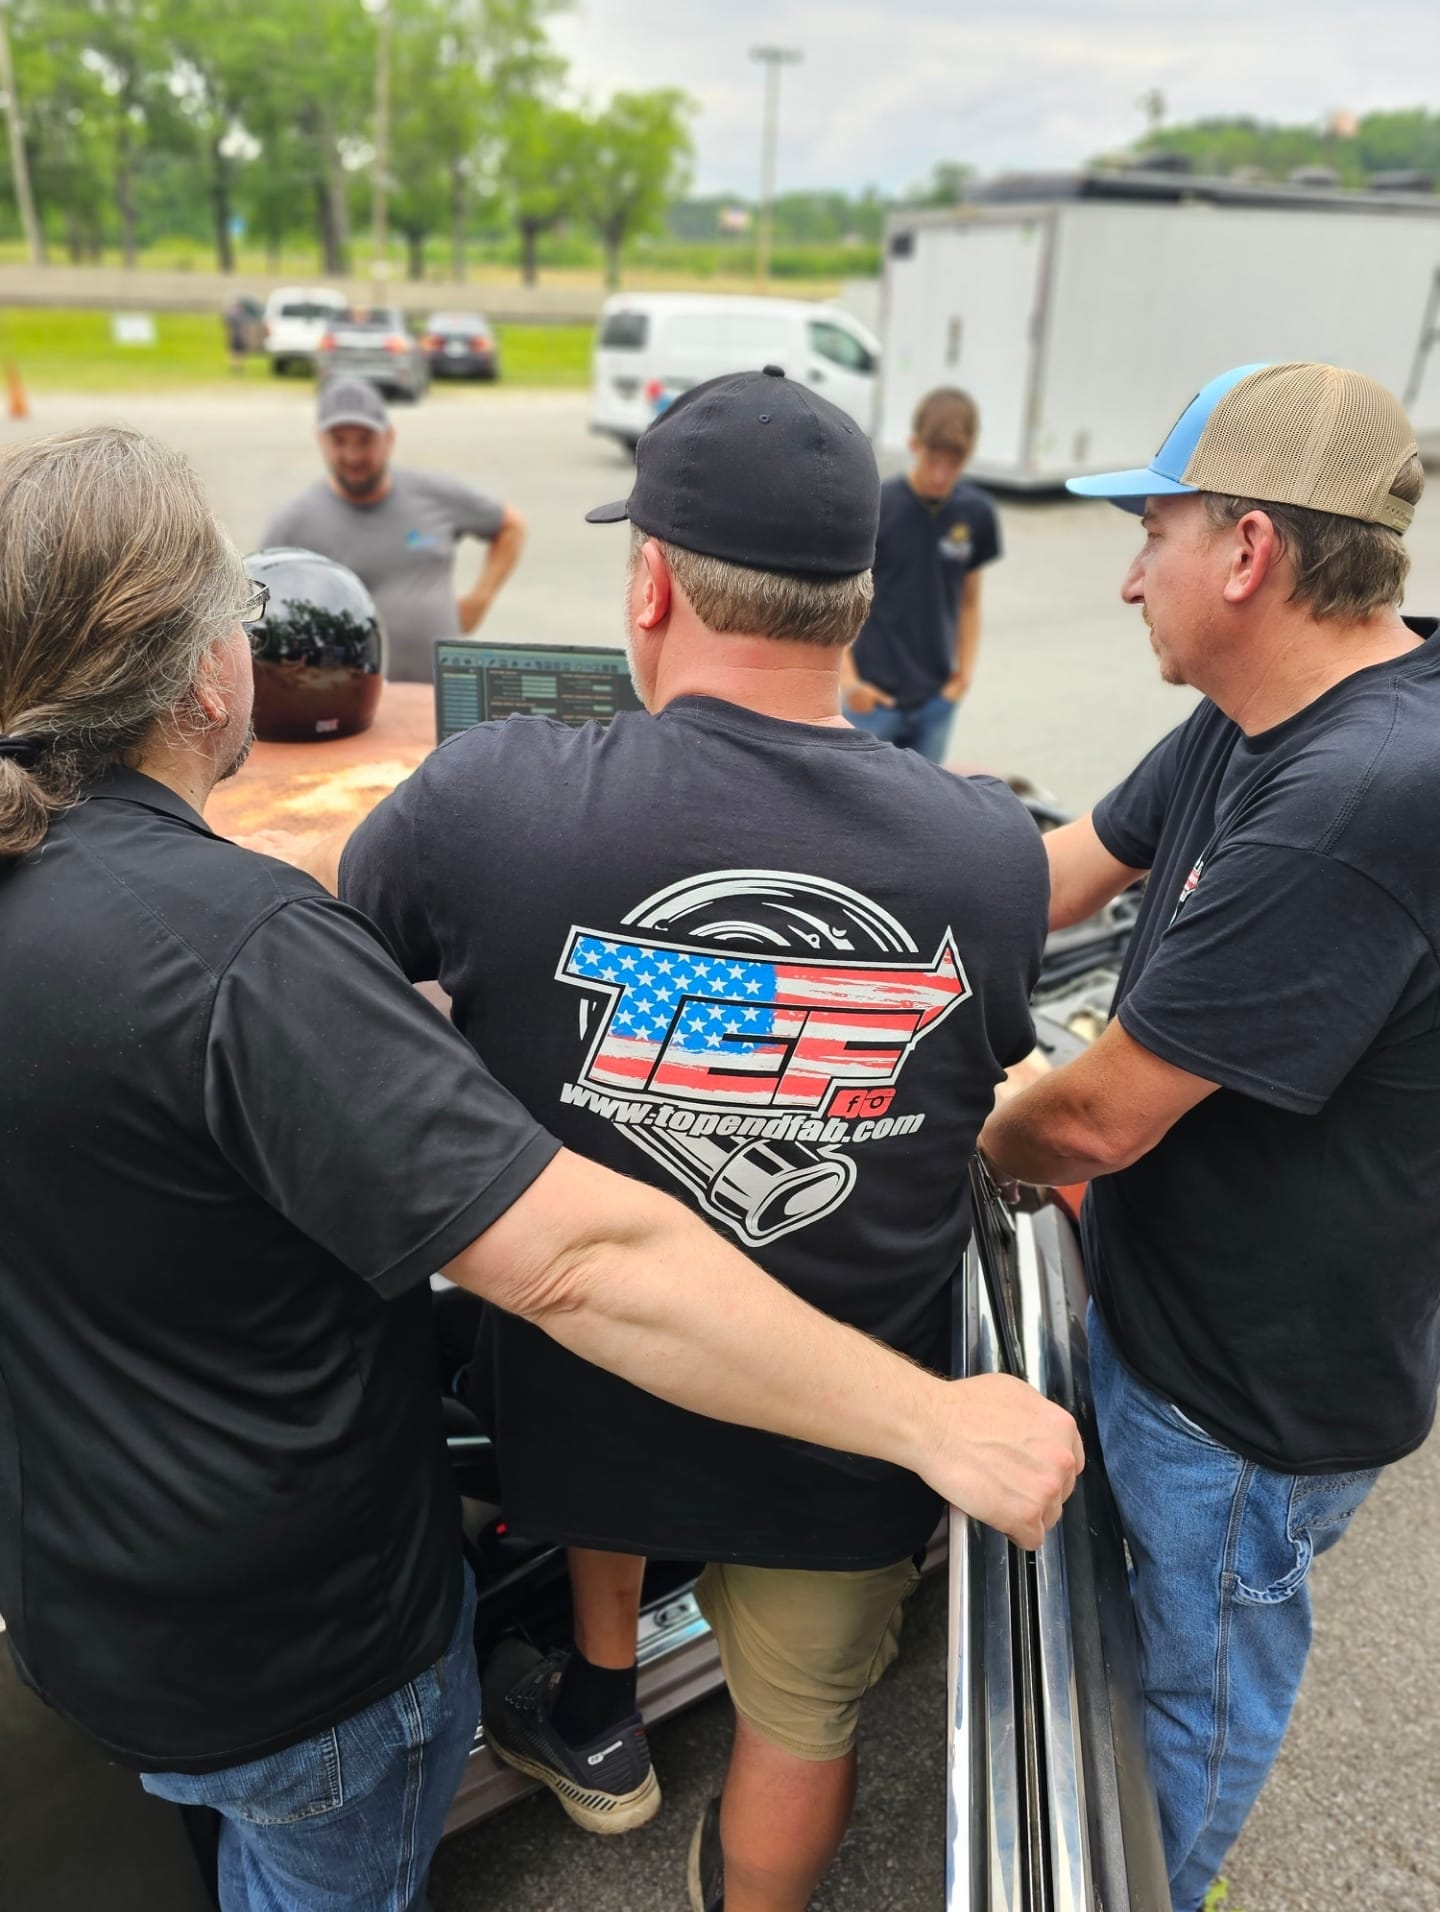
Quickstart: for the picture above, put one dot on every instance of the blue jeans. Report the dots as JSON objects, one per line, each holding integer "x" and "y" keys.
{"x": 347, "y": 1821}
{"x": 925, "y": 728}
{"x": 1221, "y": 1551}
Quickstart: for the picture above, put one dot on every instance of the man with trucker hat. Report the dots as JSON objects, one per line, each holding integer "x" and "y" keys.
{"x": 1261, "y": 1121}
{"x": 747, "y": 977}
{"x": 397, "y": 529}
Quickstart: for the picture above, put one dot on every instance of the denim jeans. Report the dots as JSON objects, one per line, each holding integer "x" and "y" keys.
{"x": 347, "y": 1821}
{"x": 925, "y": 728}
{"x": 1221, "y": 1551}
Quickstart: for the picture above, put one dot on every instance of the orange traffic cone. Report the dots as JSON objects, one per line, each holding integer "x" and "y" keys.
{"x": 19, "y": 405}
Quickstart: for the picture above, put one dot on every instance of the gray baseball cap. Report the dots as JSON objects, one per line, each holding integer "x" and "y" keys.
{"x": 350, "y": 401}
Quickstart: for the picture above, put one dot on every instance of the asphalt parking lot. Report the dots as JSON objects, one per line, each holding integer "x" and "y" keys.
{"x": 1066, "y": 694}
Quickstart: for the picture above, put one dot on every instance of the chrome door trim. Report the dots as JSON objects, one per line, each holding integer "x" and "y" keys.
{"x": 1050, "y": 1807}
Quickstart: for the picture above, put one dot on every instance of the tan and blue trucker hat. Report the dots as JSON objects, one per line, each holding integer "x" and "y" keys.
{"x": 1297, "y": 434}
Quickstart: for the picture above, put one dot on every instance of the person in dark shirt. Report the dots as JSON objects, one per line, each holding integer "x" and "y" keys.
{"x": 778, "y": 968}
{"x": 234, "y": 1144}
{"x": 914, "y": 659}
{"x": 1262, "y": 1116}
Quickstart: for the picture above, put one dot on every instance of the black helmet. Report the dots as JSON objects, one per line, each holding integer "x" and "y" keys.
{"x": 319, "y": 650}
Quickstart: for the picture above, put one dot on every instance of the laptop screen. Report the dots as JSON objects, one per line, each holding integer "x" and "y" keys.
{"x": 476, "y": 682}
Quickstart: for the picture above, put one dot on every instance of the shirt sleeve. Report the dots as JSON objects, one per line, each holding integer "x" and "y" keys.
{"x": 1278, "y": 973}
{"x": 380, "y": 876}
{"x": 1019, "y": 919}
{"x": 352, "y": 1107}
{"x": 986, "y": 543}
{"x": 476, "y": 513}
{"x": 1128, "y": 820}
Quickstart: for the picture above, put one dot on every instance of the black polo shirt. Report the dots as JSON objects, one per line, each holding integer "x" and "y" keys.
{"x": 233, "y": 1145}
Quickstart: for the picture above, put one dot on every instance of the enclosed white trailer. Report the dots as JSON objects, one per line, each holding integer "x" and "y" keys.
{"x": 1083, "y": 317}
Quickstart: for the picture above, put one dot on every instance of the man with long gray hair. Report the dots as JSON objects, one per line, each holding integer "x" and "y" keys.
{"x": 236, "y": 1144}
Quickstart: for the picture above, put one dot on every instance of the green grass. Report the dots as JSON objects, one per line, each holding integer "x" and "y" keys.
{"x": 61, "y": 350}
{"x": 545, "y": 354}
{"x": 805, "y": 272}
{"x": 58, "y": 350}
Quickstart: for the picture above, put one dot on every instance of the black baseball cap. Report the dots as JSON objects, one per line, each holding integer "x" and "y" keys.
{"x": 756, "y": 469}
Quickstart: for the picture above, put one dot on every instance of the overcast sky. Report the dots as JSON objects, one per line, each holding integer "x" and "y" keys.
{"x": 887, "y": 87}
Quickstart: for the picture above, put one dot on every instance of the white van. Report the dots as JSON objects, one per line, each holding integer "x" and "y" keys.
{"x": 296, "y": 319}
{"x": 651, "y": 346}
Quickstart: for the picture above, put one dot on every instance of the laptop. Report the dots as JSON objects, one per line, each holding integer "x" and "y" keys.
{"x": 476, "y": 682}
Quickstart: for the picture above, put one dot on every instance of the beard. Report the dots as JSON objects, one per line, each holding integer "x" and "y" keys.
{"x": 237, "y": 762}
{"x": 360, "y": 487}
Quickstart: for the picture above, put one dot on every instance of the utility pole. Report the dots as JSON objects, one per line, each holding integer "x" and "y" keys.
{"x": 772, "y": 58}
{"x": 379, "y": 236}
{"x": 19, "y": 167}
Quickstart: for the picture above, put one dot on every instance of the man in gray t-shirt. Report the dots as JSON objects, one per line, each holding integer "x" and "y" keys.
{"x": 397, "y": 529}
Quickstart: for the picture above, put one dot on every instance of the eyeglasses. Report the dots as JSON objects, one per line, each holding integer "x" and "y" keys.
{"x": 252, "y": 615}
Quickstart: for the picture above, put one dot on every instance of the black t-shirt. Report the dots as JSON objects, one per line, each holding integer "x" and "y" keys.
{"x": 1273, "y": 1265}
{"x": 925, "y": 551}
{"x": 774, "y": 969}
{"x": 233, "y": 1145}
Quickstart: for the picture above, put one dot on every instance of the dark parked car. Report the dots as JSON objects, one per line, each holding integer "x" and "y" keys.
{"x": 461, "y": 345}
{"x": 374, "y": 342}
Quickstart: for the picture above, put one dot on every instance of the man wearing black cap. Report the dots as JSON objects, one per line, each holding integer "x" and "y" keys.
{"x": 397, "y": 529}
{"x": 713, "y": 945}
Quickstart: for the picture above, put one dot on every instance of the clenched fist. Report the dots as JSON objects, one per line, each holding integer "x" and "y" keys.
{"x": 1004, "y": 1454}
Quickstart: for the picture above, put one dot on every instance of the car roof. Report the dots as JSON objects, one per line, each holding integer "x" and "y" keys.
{"x": 705, "y": 302}
{"x": 661, "y": 305}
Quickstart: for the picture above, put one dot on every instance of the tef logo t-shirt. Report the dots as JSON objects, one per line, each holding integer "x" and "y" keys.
{"x": 773, "y": 969}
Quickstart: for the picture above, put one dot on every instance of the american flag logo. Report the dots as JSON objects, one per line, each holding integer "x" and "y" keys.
{"x": 707, "y": 1026}
{"x": 1188, "y": 888}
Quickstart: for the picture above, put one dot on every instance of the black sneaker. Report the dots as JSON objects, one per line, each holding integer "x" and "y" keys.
{"x": 607, "y": 1785}
{"x": 705, "y": 1874}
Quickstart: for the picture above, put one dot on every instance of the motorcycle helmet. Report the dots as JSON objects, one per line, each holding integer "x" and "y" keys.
{"x": 319, "y": 649}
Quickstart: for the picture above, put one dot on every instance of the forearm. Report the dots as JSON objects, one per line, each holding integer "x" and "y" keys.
{"x": 630, "y": 1280}
{"x": 1084, "y": 876}
{"x": 680, "y": 1312}
{"x": 656, "y": 1296}
{"x": 1017, "y": 1147}
{"x": 967, "y": 645}
{"x": 500, "y": 560}
{"x": 1098, "y": 1114}
{"x": 1050, "y": 1135}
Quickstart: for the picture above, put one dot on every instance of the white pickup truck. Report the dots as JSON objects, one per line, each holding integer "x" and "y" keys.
{"x": 296, "y": 318}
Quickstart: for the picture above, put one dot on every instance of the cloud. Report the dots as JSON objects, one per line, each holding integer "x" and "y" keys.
{"x": 886, "y": 90}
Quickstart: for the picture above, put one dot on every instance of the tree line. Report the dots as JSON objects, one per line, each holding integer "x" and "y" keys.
{"x": 1354, "y": 149}
{"x": 147, "y": 119}
{"x": 155, "y": 117}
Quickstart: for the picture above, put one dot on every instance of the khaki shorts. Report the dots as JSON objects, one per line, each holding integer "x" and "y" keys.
{"x": 800, "y": 1650}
